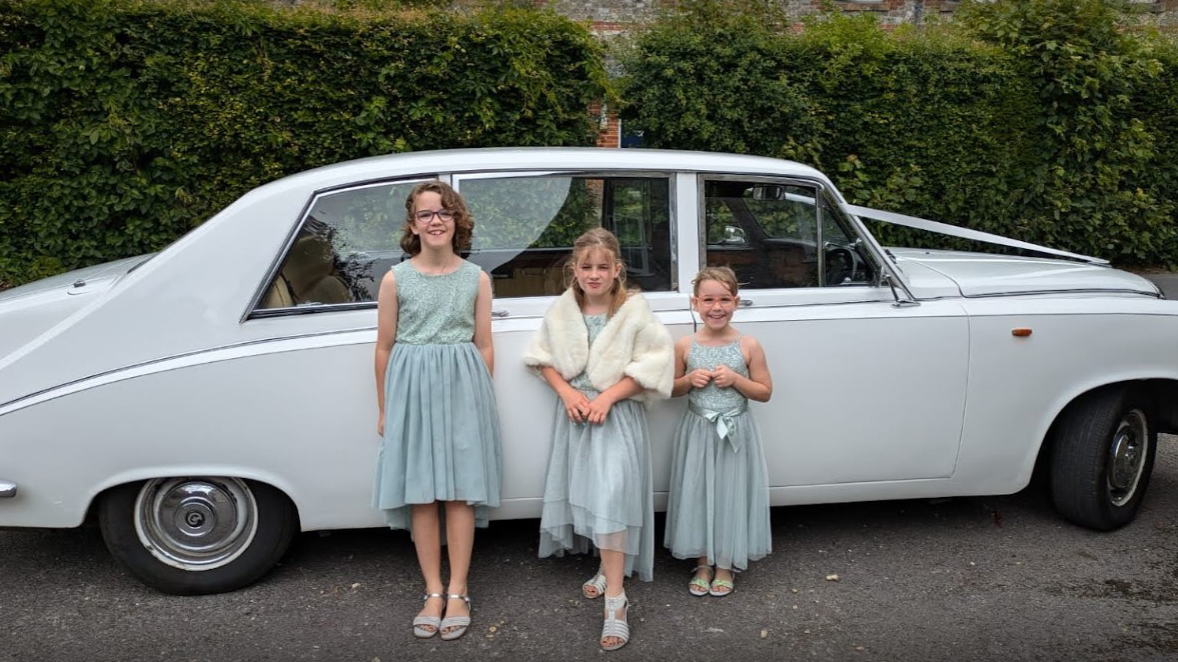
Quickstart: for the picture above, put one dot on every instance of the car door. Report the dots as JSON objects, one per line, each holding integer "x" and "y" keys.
{"x": 864, "y": 390}
{"x": 525, "y": 226}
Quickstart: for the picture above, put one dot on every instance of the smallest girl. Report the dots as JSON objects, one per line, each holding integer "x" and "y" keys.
{"x": 718, "y": 508}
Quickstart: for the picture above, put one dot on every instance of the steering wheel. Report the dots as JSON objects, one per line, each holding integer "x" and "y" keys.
{"x": 841, "y": 264}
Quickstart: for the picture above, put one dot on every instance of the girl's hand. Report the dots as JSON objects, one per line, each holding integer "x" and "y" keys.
{"x": 599, "y": 409}
{"x": 700, "y": 377}
{"x": 380, "y": 424}
{"x": 724, "y": 376}
{"x": 576, "y": 405}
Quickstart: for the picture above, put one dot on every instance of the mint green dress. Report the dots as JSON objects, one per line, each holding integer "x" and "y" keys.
{"x": 718, "y": 504}
{"x": 441, "y": 433}
{"x": 598, "y": 491}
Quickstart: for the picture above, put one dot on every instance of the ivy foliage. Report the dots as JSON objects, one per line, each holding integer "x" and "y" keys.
{"x": 1044, "y": 120}
{"x": 125, "y": 123}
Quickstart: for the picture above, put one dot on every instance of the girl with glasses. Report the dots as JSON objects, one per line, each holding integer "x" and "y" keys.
{"x": 436, "y": 407}
{"x": 605, "y": 355}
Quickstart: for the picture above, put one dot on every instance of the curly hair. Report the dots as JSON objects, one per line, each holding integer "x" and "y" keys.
{"x": 463, "y": 221}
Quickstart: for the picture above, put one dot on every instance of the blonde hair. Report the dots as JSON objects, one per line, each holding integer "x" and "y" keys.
{"x": 594, "y": 239}
{"x": 722, "y": 275}
{"x": 463, "y": 221}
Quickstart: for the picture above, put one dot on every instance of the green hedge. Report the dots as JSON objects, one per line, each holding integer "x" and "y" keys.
{"x": 1037, "y": 119}
{"x": 124, "y": 123}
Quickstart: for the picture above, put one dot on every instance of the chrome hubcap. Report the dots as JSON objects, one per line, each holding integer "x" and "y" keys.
{"x": 1126, "y": 458}
{"x": 196, "y": 523}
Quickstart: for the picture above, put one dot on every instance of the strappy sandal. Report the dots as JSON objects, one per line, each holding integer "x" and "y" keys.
{"x": 596, "y": 584}
{"x": 698, "y": 586}
{"x": 618, "y": 628}
{"x": 725, "y": 584}
{"x": 459, "y": 623}
{"x": 421, "y": 622}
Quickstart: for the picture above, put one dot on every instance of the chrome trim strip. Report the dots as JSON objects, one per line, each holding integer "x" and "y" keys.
{"x": 965, "y": 233}
{"x": 995, "y": 295}
{"x": 7, "y": 490}
{"x": 172, "y": 357}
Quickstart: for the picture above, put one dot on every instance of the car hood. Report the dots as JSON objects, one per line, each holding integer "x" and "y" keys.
{"x": 982, "y": 274}
{"x": 30, "y": 310}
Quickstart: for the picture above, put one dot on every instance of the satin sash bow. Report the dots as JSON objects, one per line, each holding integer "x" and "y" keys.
{"x": 724, "y": 421}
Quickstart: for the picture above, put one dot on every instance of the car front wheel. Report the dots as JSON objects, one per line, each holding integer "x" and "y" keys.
{"x": 196, "y": 535}
{"x": 1102, "y": 457}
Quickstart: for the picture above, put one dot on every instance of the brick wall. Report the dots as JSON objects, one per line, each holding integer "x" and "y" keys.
{"x": 609, "y": 17}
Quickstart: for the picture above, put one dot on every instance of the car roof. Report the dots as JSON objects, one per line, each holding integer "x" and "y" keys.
{"x": 553, "y": 158}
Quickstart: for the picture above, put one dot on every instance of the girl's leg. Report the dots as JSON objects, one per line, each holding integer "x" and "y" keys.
{"x": 427, "y": 540}
{"x": 460, "y": 542}
{"x": 614, "y": 564}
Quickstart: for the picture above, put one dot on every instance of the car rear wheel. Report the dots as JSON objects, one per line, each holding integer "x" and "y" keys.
{"x": 195, "y": 535}
{"x": 1102, "y": 457}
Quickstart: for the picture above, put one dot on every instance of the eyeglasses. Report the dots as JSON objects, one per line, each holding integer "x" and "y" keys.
{"x": 424, "y": 216}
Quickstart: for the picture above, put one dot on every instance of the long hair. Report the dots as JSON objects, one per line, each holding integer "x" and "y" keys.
{"x": 598, "y": 239}
{"x": 463, "y": 221}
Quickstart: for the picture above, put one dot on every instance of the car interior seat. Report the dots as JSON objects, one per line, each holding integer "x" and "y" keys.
{"x": 308, "y": 276}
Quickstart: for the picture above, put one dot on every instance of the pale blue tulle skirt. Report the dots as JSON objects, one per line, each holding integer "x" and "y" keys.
{"x": 718, "y": 504}
{"x": 598, "y": 490}
{"x": 441, "y": 435}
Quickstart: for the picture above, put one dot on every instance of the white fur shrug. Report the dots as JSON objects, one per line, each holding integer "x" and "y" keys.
{"x": 633, "y": 344}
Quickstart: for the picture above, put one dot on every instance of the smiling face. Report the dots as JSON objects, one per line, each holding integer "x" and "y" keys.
{"x": 596, "y": 272}
{"x": 435, "y": 233}
{"x": 715, "y": 303}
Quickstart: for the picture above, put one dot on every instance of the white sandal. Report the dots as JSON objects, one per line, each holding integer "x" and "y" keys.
{"x": 597, "y": 584}
{"x": 619, "y": 628}
{"x": 459, "y": 623}
{"x": 698, "y": 586}
{"x": 421, "y": 622}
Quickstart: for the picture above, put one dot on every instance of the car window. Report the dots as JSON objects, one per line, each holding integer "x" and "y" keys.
{"x": 525, "y": 227}
{"x": 345, "y": 244}
{"x": 845, "y": 259}
{"x": 767, "y": 233}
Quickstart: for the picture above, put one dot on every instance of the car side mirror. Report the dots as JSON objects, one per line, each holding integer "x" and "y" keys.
{"x": 733, "y": 236}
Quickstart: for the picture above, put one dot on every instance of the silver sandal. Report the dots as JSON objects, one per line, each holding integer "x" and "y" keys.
{"x": 435, "y": 622}
{"x": 597, "y": 583}
{"x": 460, "y": 623}
{"x": 618, "y": 628}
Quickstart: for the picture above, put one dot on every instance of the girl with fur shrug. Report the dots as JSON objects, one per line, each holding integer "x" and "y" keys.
{"x": 604, "y": 353}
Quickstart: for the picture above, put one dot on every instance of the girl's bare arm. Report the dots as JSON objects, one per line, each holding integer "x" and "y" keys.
{"x": 576, "y": 405}
{"x": 759, "y": 384}
{"x": 386, "y": 334}
{"x": 482, "y": 322}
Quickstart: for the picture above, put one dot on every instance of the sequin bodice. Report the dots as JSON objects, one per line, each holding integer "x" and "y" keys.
{"x": 595, "y": 323}
{"x": 436, "y": 310}
{"x": 711, "y": 396}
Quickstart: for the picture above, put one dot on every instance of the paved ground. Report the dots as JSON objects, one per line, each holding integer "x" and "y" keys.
{"x": 994, "y": 578}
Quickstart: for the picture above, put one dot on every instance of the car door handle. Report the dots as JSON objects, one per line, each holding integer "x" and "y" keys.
{"x": 500, "y": 313}
{"x": 745, "y": 303}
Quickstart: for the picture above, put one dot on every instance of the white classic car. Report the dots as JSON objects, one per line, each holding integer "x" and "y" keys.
{"x": 206, "y": 403}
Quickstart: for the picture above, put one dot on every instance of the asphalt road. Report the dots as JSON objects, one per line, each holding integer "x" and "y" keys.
{"x": 993, "y": 578}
